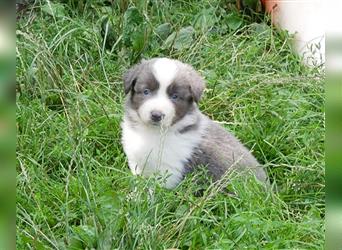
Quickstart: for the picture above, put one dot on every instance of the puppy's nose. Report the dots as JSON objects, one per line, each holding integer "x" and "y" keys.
{"x": 156, "y": 116}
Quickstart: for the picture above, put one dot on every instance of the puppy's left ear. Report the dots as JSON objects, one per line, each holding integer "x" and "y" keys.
{"x": 197, "y": 85}
{"x": 130, "y": 77}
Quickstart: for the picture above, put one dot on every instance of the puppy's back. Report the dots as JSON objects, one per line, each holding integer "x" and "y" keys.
{"x": 220, "y": 151}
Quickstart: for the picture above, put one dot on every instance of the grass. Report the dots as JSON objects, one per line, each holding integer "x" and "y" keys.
{"x": 74, "y": 188}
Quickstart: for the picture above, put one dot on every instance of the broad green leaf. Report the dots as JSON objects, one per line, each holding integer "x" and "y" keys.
{"x": 86, "y": 234}
{"x": 54, "y": 9}
{"x": 184, "y": 38}
{"x": 133, "y": 16}
{"x": 164, "y": 30}
{"x": 138, "y": 40}
{"x": 234, "y": 21}
{"x": 169, "y": 41}
{"x": 205, "y": 20}
{"x": 133, "y": 22}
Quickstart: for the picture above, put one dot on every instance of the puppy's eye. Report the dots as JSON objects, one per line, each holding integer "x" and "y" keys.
{"x": 147, "y": 91}
{"x": 174, "y": 96}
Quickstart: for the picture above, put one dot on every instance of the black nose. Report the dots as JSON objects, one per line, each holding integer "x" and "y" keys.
{"x": 156, "y": 116}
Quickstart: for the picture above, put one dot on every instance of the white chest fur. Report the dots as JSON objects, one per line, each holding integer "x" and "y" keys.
{"x": 150, "y": 150}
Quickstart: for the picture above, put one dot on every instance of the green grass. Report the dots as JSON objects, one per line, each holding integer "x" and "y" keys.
{"x": 74, "y": 188}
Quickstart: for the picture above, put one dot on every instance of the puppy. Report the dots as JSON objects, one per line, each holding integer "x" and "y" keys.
{"x": 164, "y": 132}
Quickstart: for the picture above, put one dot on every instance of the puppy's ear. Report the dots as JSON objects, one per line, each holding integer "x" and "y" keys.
{"x": 197, "y": 85}
{"x": 130, "y": 78}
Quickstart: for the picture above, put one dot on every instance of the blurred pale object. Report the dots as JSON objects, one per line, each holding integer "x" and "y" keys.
{"x": 7, "y": 54}
{"x": 6, "y": 39}
{"x": 304, "y": 19}
{"x": 7, "y": 130}
{"x": 333, "y": 22}
{"x": 333, "y": 19}
{"x": 334, "y": 221}
{"x": 334, "y": 56}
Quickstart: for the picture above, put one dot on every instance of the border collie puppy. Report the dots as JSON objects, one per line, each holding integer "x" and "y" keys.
{"x": 164, "y": 132}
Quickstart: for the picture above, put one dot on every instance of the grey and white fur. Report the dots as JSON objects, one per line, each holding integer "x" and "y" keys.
{"x": 164, "y": 132}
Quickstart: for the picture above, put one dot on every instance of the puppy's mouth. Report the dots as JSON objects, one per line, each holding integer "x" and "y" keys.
{"x": 155, "y": 124}
{"x": 160, "y": 124}
{"x": 151, "y": 123}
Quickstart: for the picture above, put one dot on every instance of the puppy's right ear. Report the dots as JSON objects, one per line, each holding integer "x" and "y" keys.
{"x": 130, "y": 77}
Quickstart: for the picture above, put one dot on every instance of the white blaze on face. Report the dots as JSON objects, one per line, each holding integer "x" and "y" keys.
{"x": 164, "y": 70}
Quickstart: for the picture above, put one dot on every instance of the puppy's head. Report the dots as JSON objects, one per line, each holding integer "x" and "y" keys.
{"x": 162, "y": 91}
